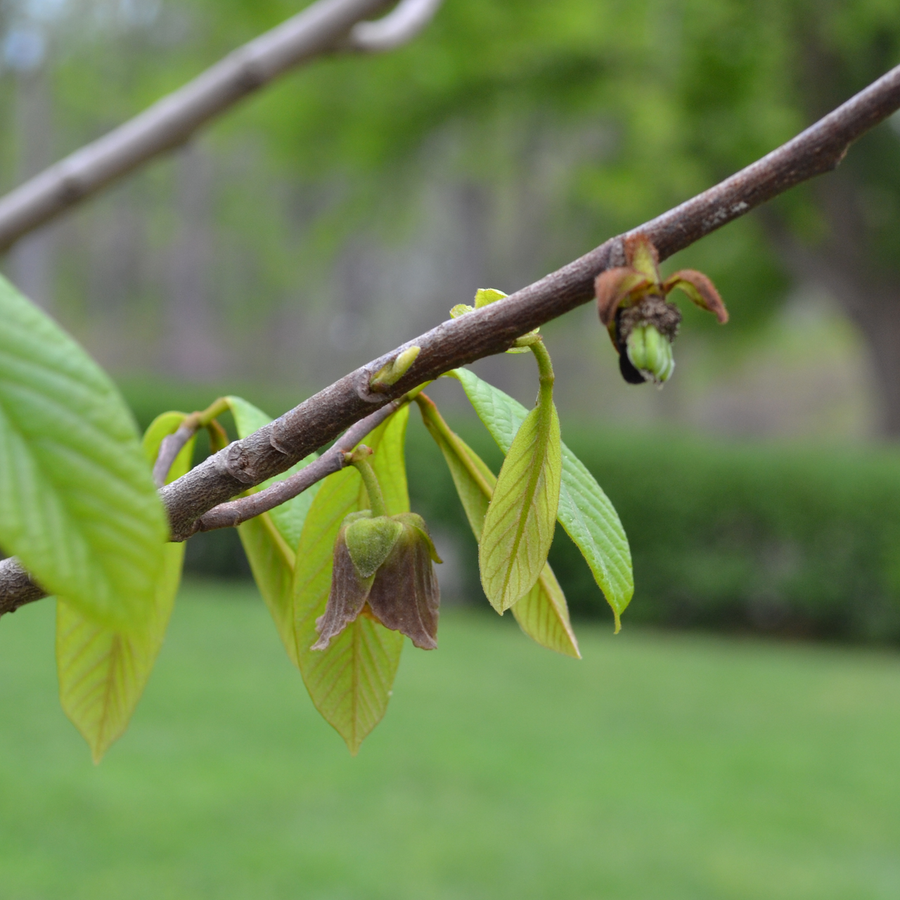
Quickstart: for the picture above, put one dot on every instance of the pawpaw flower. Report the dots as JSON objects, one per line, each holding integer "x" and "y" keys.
{"x": 383, "y": 569}
{"x": 642, "y": 323}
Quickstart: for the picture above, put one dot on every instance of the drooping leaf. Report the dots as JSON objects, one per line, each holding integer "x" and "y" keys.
{"x": 269, "y": 540}
{"x": 542, "y": 613}
{"x": 584, "y": 510}
{"x": 102, "y": 671}
{"x": 350, "y": 682}
{"x": 518, "y": 528}
{"x": 272, "y": 565}
{"x": 77, "y": 501}
{"x": 388, "y": 441}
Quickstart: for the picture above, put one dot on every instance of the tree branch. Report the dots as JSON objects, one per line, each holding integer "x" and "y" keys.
{"x": 492, "y": 329}
{"x": 230, "y": 515}
{"x": 316, "y": 30}
{"x": 397, "y": 28}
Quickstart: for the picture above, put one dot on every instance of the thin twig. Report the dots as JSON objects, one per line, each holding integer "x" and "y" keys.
{"x": 232, "y": 514}
{"x": 399, "y": 27}
{"x": 316, "y": 30}
{"x": 171, "y": 446}
{"x": 492, "y": 329}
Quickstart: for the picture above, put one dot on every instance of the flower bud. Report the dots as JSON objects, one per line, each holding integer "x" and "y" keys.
{"x": 650, "y": 353}
{"x": 383, "y": 568}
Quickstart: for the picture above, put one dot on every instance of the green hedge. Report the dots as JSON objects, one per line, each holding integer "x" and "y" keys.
{"x": 781, "y": 539}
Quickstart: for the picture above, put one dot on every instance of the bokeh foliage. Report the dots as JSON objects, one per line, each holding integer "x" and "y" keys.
{"x": 641, "y": 104}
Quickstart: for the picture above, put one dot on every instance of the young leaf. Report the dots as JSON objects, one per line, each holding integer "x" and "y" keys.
{"x": 269, "y": 540}
{"x": 350, "y": 682}
{"x": 388, "y": 441}
{"x": 542, "y": 613}
{"x": 103, "y": 672}
{"x": 272, "y": 564}
{"x": 584, "y": 510}
{"x": 77, "y": 501}
{"x": 518, "y": 527}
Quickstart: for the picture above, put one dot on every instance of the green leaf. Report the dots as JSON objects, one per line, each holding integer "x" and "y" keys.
{"x": 486, "y": 296}
{"x": 272, "y": 564}
{"x": 350, "y": 682}
{"x": 584, "y": 510}
{"x": 77, "y": 501}
{"x": 102, "y": 671}
{"x": 289, "y": 517}
{"x": 388, "y": 441}
{"x": 542, "y": 613}
{"x": 518, "y": 528}
{"x": 269, "y": 540}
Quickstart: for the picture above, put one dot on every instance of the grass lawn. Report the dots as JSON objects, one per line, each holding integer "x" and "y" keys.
{"x": 660, "y": 766}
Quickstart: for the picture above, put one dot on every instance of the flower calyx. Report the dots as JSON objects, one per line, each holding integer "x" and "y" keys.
{"x": 642, "y": 323}
{"x": 383, "y": 569}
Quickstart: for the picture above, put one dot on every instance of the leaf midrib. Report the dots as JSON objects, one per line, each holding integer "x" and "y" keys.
{"x": 541, "y": 438}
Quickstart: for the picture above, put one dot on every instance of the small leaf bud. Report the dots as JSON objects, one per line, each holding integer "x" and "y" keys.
{"x": 391, "y": 373}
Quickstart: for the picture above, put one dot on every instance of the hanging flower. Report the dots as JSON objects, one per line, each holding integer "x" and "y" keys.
{"x": 383, "y": 569}
{"x": 642, "y": 323}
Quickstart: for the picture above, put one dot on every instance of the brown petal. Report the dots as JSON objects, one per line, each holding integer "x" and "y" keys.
{"x": 346, "y": 599}
{"x": 613, "y": 286}
{"x": 405, "y": 595}
{"x": 700, "y": 289}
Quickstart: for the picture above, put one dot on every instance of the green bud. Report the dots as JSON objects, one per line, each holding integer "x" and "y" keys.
{"x": 369, "y": 541}
{"x": 383, "y": 566}
{"x": 486, "y": 296}
{"x": 392, "y": 372}
{"x": 650, "y": 353}
{"x": 637, "y": 347}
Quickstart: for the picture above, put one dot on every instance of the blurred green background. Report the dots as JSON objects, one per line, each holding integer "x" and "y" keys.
{"x": 658, "y": 766}
{"x": 345, "y": 210}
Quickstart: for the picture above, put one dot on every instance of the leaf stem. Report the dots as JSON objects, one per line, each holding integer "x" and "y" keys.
{"x": 359, "y": 458}
{"x": 434, "y": 422}
{"x": 213, "y": 411}
{"x": 545, "y": 371}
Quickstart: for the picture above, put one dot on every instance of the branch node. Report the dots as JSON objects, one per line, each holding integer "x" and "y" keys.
{"x": 239, "y": 464}
{"x": 276, "y": 441}
{"x": 364, "y": 380}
